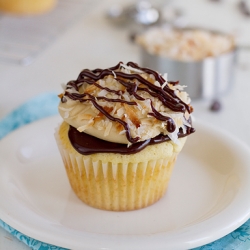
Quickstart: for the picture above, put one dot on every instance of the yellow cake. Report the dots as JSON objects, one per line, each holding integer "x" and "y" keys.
{"x": 122, "y": 130}
{"x": 26, "y": 7}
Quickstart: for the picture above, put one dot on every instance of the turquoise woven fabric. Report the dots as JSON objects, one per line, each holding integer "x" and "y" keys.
{"x": 45, "y": 105}
{"x": 237, "y": 240}
{"x": 33, "y": 244}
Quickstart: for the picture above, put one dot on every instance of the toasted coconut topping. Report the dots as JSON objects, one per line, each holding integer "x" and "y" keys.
{"x": 126, "y": 104}
{"x": 185, "y": 44}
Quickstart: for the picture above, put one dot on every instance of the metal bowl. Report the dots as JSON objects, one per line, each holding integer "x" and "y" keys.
{"x": 208, "y": 78}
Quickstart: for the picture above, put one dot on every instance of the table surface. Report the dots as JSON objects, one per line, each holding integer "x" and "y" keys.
{"x": 92, "y": 41}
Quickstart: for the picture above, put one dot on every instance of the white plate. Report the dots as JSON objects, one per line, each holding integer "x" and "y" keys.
{"x": 208, "y": 195}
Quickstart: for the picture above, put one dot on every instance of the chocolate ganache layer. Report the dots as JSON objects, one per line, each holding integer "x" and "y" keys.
{"x": 86, "y": 144}
{"x": 123, "y": 109}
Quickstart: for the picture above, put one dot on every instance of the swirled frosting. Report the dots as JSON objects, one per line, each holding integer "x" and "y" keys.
{"x": 126, "y": 104}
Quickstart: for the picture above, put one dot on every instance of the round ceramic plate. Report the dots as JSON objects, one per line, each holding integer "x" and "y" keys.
{"x": 207, "y": 196}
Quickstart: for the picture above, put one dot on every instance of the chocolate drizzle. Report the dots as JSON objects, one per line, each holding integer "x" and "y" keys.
{"x": 166, "y": 95}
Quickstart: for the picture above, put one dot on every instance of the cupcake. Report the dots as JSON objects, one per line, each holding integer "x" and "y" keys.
{"x": 122, "y": 130}
{"x": 27, "y": 7}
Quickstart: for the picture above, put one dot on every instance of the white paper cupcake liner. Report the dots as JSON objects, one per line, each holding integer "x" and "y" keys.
{"x": 116, "y": 186}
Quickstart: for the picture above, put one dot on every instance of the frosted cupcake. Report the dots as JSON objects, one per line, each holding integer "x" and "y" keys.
{"x": 27, "y": 7}
{"x": 122, "y": 130}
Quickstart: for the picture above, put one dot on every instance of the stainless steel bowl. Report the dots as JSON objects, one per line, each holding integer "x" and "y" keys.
{"x": 208, "y": 78}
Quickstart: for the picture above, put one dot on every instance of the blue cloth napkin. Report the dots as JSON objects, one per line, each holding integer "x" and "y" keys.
{"x": 45, "y": 105}
{"x": 39, "y": 107}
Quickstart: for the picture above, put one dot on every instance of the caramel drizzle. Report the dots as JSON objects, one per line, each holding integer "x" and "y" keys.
{"x": 165, "y": 95}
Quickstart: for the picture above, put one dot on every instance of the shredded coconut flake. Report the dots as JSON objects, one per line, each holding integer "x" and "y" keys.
{"x": 113, "y": 72}
{"x": 84, "y": 127}
{"x": 65, "y": 109}
{"x": 164, "y": 84}
{"x": 131, "y": 68}
{"x": 103, "y": 92}
{"x": 108, "y": 128}
{"x": 156, "y": 83}
{"x": 174, "y": 136}
{"x": 122, "y": 132}
{"x": 71, "y": 90}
